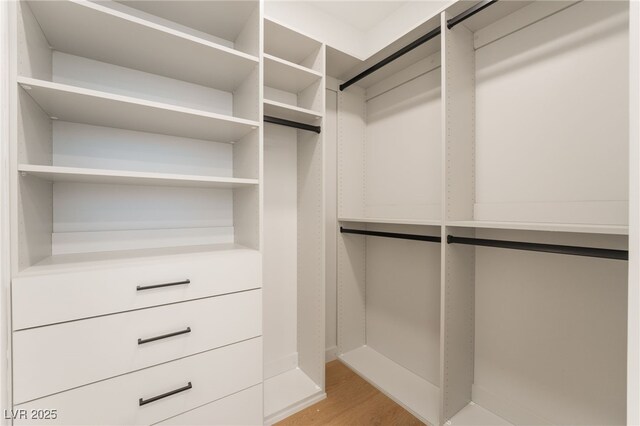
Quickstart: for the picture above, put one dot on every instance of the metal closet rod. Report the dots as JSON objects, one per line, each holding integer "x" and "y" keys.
{"x": 289, "y": 123}
{"x": 545, "y": 248}
{"x": 425, "y": 38}
{"x": 414, "y": 237}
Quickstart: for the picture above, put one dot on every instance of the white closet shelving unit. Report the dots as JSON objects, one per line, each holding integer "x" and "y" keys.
{"x": 526, "y": 141}
{"x": 136, "y": 189}
{"x": 294, "y": 212}
{"x": 389, "y": 174}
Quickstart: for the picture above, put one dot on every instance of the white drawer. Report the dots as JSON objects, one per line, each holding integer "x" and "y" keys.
{"x": 81, "y": 293}
{"x": 59, "y": 357}
{"x": 240, "y": 409}
{"x": 212, "y": 375}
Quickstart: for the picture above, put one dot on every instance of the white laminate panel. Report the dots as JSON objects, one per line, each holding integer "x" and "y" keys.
{"x": 81, "y": 352}
{"x": 111, "y": 287}
{"x": 213, "y": 374}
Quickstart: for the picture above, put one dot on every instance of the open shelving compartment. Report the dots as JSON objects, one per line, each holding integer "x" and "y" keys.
{"x": 536, "y": 145}
{"x": 389, "y": 181}
{"x": 293, "y": 75}
{"x": 294, "y": 226}
{"x": 124, "y": 150}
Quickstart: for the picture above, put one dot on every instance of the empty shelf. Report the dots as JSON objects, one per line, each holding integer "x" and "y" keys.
{"x": 426, "y": 222}
{"x": 63, "y": 262}
{"x": 535, "y": 226}
{"x": 76, "y": 104}
{"x": 411, "y": 391}
{"x": 78, "y": 28}
{"x": 290, "y": 112}
{"x": 74, "y": 174}
{"x": 287, "y": 76}
{"x": 287, "y": 393}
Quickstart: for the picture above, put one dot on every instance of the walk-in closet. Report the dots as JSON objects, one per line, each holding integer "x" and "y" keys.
{"x": 271, "y": 212}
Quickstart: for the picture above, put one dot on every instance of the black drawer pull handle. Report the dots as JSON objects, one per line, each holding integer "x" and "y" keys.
{"x": 149, "y": 287}
{"x": 164, "y": 395}
{"x": 164, "y": 336}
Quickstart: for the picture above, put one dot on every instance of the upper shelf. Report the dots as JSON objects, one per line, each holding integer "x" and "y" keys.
{"x": 535, "y": 226}
{"x": 105, "y": 34}
{"x": 283, "y": 42}
{"x": 287, "y": 76}
{"x": 70, "y": 103}
{"x": 290, "y": 112}
{"x": 424, "y": 222}
{"x": 120, "y": 177}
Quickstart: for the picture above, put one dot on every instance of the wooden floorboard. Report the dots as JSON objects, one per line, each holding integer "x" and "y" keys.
{"x": 351, "y": 401}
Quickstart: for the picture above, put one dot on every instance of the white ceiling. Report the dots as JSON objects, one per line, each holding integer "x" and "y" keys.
{"x": 362, "y": 15}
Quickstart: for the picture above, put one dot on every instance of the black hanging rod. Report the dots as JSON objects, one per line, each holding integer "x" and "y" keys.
{"x": 408, "y": 48}
{"x": 545, "y": 248}
{"x": 391, "y": 235}
{"x": 425, "y": 38}
{"x": 289, "y": 123}
{"x": 469, "y": 13}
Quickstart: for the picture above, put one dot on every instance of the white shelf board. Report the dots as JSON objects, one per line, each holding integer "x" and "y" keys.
{"x": 221, "y": 18}
{"x": 288, "y": 393}
{"x": 80, "y": 105}
{"x": 553, "y": 227}
{"x": 287, "y": 76}
{"x": 78, "y": 27}
{"x": 391, "y": 221}
{"x": 475, "y": 415}
{"x": 64, "y": 262}
{"x": 409, "y": 390}
{"x": 290, "y": 112}
{"x": 122, "y": 177}
{"x": 283, "y": 42}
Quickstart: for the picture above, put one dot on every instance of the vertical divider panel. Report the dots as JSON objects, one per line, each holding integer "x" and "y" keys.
{"x": 351, "y": 285}
{"x": 633, "y": 343}
{"x": 311, "y": 240}
{"x": 458, "y": 263}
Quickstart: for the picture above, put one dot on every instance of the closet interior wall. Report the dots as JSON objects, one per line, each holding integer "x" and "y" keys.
{"x": 526, "y": 141}
{"x": 294, "y": 227}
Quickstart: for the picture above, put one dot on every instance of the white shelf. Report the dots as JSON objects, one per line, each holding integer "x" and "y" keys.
{"x": 475, "y": 415}
{"x": 552, "y": 227}
{"x": 391, "y": 221}
{"x": 78, "y": 28}
{"x": 409, "y": 390}
{"x": 75, "y": 104}
{"x": 287, "y": 76}
{"x": 290, "y": 112}
{"x": 288, "y": 393}
{"x": 64, "y": 262}
{"x": 283, "y": 42}
{"x": 120, "y": 177}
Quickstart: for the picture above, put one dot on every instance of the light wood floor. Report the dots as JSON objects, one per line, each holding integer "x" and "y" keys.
{"x": 351, "y": 401}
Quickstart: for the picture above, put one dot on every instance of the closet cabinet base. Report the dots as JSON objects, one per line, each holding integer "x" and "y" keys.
{"x": 288, "y": 393}
{"x": 409, "y": 390}
{"x": 475, "y": 415}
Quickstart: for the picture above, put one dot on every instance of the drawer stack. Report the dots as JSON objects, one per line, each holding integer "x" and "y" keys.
{"x": 150, "y": 350}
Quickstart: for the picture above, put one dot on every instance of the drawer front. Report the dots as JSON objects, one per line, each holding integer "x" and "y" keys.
{"x": 240, "y": 409}
{"x": 164, "y": 390}
{"x": 62, "y": 356}
{"x": 37, "y": 299}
